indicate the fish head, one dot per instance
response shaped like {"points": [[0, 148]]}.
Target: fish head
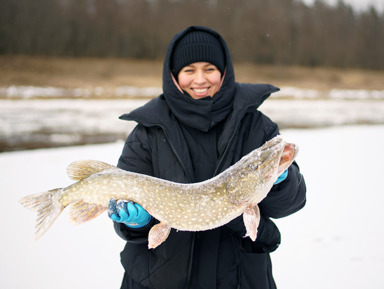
{"points": [[273, 158], [258, 170], [266, 159]]}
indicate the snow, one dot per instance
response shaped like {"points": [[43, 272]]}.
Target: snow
{"points": [[28, 92], [31, 92], [350, 94], [334, 242], [28, 120]]}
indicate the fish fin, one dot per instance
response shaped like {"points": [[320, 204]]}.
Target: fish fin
{"points": [[48, 208], [158, 234], [80, 170], [251, 217], [81, 212]]}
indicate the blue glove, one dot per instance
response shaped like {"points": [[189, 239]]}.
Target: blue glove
{"points": [[282, 177], [129, 213]]}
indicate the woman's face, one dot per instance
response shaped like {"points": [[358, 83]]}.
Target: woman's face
{"points": [[200, 79]]}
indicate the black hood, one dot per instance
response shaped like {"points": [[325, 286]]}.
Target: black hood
{"points": [[203, 113]]}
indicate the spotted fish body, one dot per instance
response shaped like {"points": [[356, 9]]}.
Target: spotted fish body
{"points": [[186, 207]]}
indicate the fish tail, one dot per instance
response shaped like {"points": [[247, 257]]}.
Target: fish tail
{"points": [[48, 208]]}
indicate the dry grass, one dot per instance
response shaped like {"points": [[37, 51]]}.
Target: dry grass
{"points": [[313, 78], [90, 72]]}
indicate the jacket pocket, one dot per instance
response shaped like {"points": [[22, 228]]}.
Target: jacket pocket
{"points": [[135, 260], [256, 271], [163, 267]]}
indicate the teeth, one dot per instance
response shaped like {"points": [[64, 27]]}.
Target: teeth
{"points": [[197, 90]]}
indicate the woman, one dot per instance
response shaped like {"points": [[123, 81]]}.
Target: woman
{"points": [[203, 123]]}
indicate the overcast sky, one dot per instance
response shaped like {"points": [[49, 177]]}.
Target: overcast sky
{"points": [[358, 4]]}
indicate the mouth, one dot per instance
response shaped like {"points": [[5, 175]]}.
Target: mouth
{"points": [[200, 91]]}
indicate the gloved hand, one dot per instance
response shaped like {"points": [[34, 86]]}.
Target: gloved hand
{"points": [[282, 177], [129, 213]]}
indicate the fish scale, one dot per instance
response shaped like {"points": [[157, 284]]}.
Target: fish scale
{"points": [[187, 207]]}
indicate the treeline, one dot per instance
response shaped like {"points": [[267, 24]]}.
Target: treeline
{"points": [[285, 32]]}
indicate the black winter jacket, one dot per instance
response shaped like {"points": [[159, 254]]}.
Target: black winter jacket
{"points": [[176, 139]]}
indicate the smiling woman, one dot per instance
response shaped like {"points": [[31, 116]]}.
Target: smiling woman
{"points": [[202, 124], [200, 79]]}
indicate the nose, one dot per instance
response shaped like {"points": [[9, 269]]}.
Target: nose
{"points": [[200, 77]]}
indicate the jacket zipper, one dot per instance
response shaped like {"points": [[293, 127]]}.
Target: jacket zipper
{"points": [[229, 142], [188, 283], [189, 273]]}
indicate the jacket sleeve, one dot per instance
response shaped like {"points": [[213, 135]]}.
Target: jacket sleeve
{"points": [[135, 157], [139, 235], [287, 197]]}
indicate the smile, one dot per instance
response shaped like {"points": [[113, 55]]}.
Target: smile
{"points": [[200, 90]]}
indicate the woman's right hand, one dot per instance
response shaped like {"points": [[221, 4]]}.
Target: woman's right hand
{"points": [[129, 213]]}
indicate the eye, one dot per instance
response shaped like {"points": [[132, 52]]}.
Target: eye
{"points": [[211, 68], [188, 70]]}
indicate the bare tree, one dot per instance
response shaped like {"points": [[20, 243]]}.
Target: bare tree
{"points": [[284, 32]]}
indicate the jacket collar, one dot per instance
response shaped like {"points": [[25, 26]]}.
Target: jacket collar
{"points": [[156, 113]]}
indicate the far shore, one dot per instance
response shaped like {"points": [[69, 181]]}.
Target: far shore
{"points": [[111, 72]]}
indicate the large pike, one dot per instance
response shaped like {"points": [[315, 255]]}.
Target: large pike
{"points": [[186, 207]]}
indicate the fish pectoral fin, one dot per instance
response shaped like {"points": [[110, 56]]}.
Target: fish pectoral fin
{"points": [[251, 217], [80, 211], [80, 170], [158, 234]]}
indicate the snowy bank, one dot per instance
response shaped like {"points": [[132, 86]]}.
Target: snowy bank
{"points": [[29, 122], [32, 92], [333, 243]]}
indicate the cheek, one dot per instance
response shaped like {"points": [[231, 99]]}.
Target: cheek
{"points": [[183, 81], [215, 81]]}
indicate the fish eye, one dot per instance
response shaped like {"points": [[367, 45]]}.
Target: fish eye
{"points": [[253, 167]]}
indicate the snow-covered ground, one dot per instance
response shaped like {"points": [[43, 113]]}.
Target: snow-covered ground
{"points": [[31, 92], [333, 243], [35, 117]]}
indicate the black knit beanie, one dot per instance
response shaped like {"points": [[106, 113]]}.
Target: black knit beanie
{"points": [[197, 46]]}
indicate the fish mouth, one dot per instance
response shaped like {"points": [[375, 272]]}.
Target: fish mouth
{"points": [[278, 154], [287, 152], [287, 157]]}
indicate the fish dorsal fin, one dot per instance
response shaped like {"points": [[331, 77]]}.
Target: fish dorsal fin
{"points": [[80, 170]]}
